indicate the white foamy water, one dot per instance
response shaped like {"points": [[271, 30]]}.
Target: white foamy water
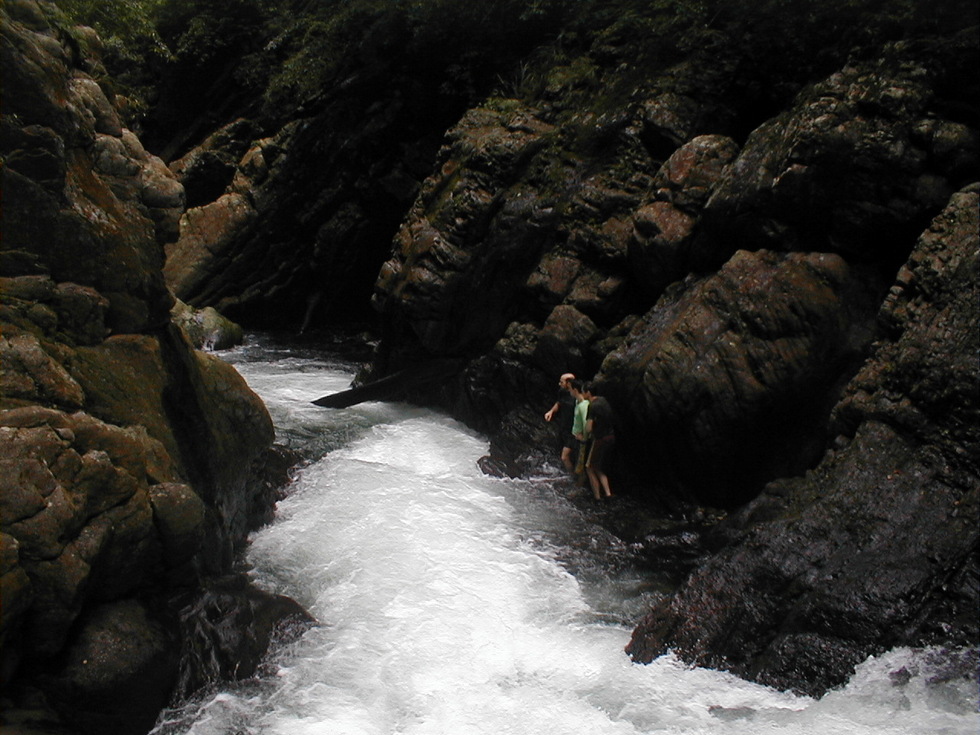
{"points": [[447, 607]]}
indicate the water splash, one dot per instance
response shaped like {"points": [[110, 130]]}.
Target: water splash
{"points": [[452, 603]]}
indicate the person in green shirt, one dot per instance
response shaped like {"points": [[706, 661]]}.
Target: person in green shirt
{"points": [[579, 425]]}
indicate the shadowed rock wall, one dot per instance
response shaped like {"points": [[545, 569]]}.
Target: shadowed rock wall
{"points": [[878, 546], [724, 273], [745, 308]]}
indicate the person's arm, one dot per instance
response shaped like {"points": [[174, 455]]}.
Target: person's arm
{"points": [[550, 413]]}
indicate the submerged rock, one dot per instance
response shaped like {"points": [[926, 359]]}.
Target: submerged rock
{"points": [[227, 628]]}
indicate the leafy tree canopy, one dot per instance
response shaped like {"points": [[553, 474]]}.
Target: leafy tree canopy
{"points": [[291, 53]]}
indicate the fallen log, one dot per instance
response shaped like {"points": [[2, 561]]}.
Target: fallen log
{"points": [[391, 387]]}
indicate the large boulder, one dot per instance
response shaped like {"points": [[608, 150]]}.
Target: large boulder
{"points": [[876, 547], [728, 381]]}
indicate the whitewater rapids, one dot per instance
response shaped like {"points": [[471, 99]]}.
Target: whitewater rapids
{"points": [[453, 603]]}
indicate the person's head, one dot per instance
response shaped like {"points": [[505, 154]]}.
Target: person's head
{"points": [[588, 390], [576, 386], [565, 380]]}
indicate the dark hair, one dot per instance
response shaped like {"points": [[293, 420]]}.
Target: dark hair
{"points": [[589, 387], [578, 385]]}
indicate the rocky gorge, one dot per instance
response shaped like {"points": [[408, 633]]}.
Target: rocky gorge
{"points": [[776, 292]]}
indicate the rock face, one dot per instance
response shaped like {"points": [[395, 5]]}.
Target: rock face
{"points": [[722, 296], [876, 547], [740, 308], [779, 305], [288, 230], [126, 457], [727, 379]]}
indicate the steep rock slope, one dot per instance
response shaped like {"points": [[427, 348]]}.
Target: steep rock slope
{"points": [[127, 457], [878, 546], [724, 298]]}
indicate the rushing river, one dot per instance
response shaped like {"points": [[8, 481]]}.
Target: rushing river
{"points": [[452, 603]]}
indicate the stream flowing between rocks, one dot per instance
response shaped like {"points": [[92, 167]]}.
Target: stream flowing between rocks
{"points": [[453, 603]]}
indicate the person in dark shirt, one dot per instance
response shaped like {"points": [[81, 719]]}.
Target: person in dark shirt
{"points": [[600, 428], [564, 408]]}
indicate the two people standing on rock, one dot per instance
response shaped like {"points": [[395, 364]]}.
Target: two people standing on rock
{"points": [[590, 431]]}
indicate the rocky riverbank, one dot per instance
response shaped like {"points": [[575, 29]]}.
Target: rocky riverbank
{"points": [[810, 335], [772, 279], [131, 464]]}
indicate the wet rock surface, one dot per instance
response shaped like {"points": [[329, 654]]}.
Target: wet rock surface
{"points": [[779, 304], [126, 457], [876, 547], [740, 306], [227, 627]]}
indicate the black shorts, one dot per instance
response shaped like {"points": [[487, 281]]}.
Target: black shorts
{"points": [[568, 441], [599, 454]]}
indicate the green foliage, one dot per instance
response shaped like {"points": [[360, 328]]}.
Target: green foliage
{"points": [[131, 45], [126, 27], [465, 44], [291, 54]]}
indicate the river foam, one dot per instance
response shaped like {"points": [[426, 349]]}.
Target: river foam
{"points": [[447, 605]]}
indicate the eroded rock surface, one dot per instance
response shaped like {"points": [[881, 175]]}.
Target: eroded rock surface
{"points": [[876, 547], [126, 457]]}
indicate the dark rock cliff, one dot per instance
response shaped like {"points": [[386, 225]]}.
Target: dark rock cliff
{"points": [[775, 288], [128, 460], [878, 545], [775, 300], [745, 308]]}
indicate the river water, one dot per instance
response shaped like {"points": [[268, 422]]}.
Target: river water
{"points": [[452, 603]]}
